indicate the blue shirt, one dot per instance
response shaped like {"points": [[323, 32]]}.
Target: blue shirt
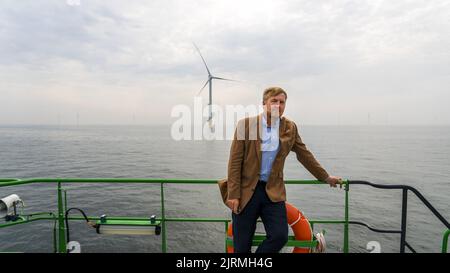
{"points": [[270, 145]]}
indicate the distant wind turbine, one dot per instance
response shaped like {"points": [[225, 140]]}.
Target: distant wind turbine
{"points": [[209, 81]]}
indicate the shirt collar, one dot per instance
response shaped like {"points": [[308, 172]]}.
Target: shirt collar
{"points": [[275, 123]]}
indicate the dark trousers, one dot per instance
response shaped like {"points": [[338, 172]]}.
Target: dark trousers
{"points": [[273, 216]]}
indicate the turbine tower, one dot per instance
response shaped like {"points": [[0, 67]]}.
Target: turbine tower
{"points": [[209, 81]]}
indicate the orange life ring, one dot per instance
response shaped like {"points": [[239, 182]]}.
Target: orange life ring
{"points": [[298, 223], [300, 226]]}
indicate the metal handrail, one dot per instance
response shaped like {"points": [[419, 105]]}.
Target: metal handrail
{"points": [[405, 189], [62, 205]]}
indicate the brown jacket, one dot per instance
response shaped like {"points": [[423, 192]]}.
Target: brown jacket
{"points": [[245, 161]]}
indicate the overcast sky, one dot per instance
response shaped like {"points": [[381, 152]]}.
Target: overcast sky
{"points": [[131, 62]]}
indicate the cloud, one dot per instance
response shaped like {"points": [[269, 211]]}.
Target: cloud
{"points": [[101, 56]]}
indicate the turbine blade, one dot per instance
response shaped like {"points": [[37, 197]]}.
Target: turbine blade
{"points": [[203, 87], [198, 50], [224, 79]]}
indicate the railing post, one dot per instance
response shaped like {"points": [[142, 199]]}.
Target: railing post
{"points": [[226, 236], [65, 200], [445, 241], [404, 214], [346, 239], [163, 221], [61, 224]]}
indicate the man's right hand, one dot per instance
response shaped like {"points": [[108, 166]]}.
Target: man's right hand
{"points": [[233, 204]]}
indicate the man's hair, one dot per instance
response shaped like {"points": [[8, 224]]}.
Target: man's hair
{"points": [[273, 91]]}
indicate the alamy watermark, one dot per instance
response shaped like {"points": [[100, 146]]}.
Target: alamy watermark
{"points": [[214, 122], [373, 247], [75, 247]]}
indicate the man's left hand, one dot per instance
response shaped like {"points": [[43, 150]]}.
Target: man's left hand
{"points": [[333, 181]]}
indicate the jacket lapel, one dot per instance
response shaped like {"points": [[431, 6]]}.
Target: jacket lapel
{"points": [[281, 135], [258, 138], [282, 127]]}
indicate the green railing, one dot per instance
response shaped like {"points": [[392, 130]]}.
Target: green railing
{"points": [[445, 241], [59, 229]]}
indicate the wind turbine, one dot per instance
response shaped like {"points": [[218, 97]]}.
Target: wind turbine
{"points": [[209, 81]]}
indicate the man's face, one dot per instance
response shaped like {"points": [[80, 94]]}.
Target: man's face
{"points": [[275, 105]]}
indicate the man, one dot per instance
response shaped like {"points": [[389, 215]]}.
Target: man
{"points": [[255, 186]]}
